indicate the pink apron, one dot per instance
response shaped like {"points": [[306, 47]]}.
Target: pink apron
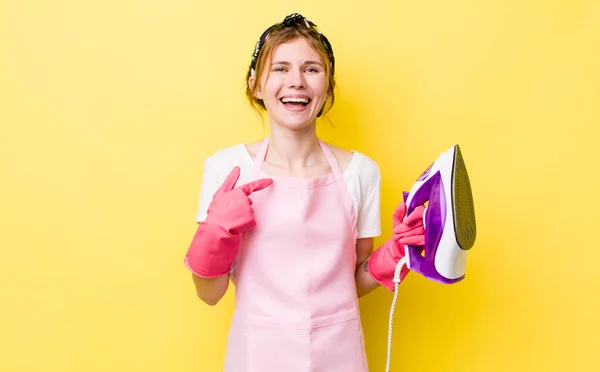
{"points": [[296, 304]]}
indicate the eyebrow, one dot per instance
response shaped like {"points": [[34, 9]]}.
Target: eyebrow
{"points": [[288, 63]]}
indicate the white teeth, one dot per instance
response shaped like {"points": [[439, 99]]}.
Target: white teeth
{"points": [[294, 99]]}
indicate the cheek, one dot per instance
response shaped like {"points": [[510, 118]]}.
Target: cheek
{"points": [[271, 88], [320, 88], [272, 80]]}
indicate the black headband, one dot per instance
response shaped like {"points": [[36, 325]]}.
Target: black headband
{"points": [[292, 20]]}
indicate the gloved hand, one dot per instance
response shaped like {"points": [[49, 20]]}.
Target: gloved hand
{"points": [[409, 231], [217, 239]]}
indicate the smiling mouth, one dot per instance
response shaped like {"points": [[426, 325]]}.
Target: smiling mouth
{"points": [[295, 102]]}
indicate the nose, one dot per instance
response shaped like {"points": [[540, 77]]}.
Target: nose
{"points": [[296, 79]]}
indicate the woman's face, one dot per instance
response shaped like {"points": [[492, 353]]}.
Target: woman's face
{"points": [[296, 87]]}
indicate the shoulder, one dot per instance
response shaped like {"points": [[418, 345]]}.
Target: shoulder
{"points": [[364, 173], [361, 172], [220, 162], [228, 157], [364, 180], [344, 157], [252, 148], [366, 168], [347, 158], [357, 165]]}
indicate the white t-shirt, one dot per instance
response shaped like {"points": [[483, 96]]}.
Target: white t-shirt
{"points": [[362, 177]]}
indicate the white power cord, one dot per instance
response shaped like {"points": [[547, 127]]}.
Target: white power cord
{"points": [[399, 266], [396, 281]]}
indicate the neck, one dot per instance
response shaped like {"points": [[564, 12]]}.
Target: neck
{"points": [[294, 149]]}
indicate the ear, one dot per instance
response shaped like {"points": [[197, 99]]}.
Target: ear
{"points": [[257, 92], [330, 90]]}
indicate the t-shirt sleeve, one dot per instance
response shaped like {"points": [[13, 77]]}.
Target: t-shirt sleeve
{"points": [[369, 211], [210, 185]]}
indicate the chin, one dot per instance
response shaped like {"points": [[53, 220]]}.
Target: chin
{"points": [[296, 123]]}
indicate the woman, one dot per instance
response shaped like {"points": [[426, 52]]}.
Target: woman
{"points": [[296, 235]]}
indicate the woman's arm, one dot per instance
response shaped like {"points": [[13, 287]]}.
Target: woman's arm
{"points": [[217, 239], [211, 290], [364, 281]]}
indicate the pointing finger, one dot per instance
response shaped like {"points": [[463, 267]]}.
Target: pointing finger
{"points": [[230, 181], [257, 185]]}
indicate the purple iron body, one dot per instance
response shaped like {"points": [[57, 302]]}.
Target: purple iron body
{"points": [[449, 219]]}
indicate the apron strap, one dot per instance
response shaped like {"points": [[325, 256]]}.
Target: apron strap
{"points": [[260, 159], [341, 185], [332, 162]]}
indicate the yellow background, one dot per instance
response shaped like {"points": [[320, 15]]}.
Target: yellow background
{"points": [[108, 109]]}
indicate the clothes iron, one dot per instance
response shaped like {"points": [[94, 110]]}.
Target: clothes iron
{"points": [[449, 221]]}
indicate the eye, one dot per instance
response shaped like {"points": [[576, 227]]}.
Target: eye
{"points": [[312, 69], [279, 69]]}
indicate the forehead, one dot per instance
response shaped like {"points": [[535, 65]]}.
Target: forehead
{"points": [[298, 49]]}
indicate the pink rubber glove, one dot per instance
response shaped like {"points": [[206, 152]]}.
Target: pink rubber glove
{"points": [[217, 239], [409, 231]]}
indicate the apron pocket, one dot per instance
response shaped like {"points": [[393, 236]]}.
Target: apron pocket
{"points": [[331, 343], [337, 344]]}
